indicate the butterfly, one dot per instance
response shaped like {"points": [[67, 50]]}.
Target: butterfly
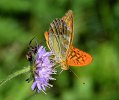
{"points": [[59, 40]]}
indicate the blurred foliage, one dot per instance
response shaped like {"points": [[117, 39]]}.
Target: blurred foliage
{"points": [[95, 31]]}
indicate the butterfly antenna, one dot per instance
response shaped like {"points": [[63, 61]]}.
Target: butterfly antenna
{"points": [[37, 45], [32, 39], [74, 73]]}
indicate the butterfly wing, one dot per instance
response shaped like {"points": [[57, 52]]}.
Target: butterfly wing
{"points": [[68, 18], [47, 39], [59, 36], [77, 57]]}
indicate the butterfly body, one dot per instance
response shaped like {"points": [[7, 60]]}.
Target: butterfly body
{"points": [[59, 40]]}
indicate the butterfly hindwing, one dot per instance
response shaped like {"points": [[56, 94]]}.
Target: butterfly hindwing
{"points": [[59, 38]]}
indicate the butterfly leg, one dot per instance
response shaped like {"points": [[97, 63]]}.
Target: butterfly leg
{"points": [[57, 67]]}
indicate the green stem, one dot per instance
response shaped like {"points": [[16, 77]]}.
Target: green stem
{"points": [[15, 74]]}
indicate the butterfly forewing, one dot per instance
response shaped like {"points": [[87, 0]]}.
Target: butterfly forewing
{"points": [[77, 57], [68, 18]]}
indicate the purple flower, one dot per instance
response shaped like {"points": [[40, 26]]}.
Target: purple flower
{"points": [[44, 70]]}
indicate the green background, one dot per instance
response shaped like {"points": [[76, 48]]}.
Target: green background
{"points": [[96, 30]]}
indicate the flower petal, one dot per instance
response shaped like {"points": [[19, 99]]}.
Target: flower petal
{"points": [[33, 86], [43, 70]]}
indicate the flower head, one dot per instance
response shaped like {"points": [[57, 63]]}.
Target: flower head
{"points": [[43, 70]]}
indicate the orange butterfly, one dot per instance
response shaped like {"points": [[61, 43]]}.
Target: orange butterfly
{"points": [[59, 40]]}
